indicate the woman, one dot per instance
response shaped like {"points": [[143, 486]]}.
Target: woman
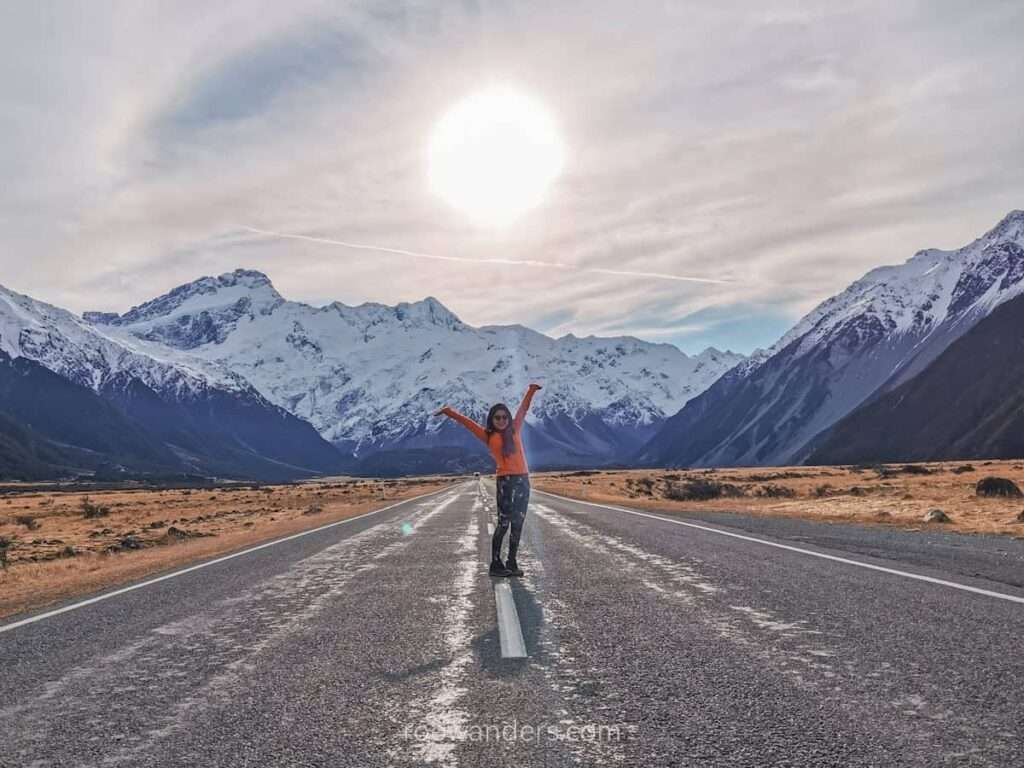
{"points": [[501, 436]]}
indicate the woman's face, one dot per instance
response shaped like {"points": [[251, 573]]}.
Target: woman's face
{"points": [[501, 419]]}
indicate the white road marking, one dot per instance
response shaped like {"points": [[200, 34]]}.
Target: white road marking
{"points": [[509, 631], [812, 553], [140, 585]]}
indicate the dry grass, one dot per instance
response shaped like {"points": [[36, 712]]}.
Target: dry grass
{"points": [[63, 553], [895, 494]]}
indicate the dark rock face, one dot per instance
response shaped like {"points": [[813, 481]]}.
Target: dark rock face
{"points": [[1002, 263]]}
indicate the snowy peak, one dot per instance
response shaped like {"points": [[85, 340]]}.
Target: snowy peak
{"points": [[417, 314], [205, 310], [1010, 228], [428, 311], [203, 294], [931, 289], [86, 355]]}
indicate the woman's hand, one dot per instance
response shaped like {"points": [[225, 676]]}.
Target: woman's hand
{"points": [[440, 411], [536, 386]]}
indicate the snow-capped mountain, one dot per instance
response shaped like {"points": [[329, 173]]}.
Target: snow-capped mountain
{"points": [[934, 291], [369, 376], [78, 351], [968, 404], [878, 333], [208, 417]]}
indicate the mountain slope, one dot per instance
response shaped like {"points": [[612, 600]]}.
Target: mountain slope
{"points": [[50, 426], [969, 403], [205, 417], [878, 333], [368, 377]]}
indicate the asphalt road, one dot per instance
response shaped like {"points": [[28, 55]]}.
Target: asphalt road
{"points": [[650, 643]]}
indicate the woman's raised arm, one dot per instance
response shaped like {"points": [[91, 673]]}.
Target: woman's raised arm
{"points": [[525, 406], [468, 423]]}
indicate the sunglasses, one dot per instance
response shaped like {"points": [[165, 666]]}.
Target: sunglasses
{"points": [[501, 417]]}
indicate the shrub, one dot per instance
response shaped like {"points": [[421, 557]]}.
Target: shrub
{"points": [[916, 469], [823, 490], [963, 468], [770, 491], [314, 509], [5, 544], [701, 490], [90, 510], [28, 521], [644, 485], [868, 466], [997, 486]]}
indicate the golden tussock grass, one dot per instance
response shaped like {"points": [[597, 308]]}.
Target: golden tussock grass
{"points": [[56, 552], [893, 495]]}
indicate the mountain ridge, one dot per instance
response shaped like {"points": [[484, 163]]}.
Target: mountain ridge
{"points": [[881, 331], [367, 377]]}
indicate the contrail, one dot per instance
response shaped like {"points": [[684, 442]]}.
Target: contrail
{"points": [[467, 260]]}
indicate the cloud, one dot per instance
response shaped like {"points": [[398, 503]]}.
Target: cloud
{"points": [[789, 151]]}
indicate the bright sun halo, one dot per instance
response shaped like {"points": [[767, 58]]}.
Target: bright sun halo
{"points": [[494, 155]]}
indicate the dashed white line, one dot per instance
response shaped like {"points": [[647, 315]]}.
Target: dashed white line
{"points": [[509, 630], [812, 553]]}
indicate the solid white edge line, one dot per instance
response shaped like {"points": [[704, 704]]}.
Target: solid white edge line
{"points": [[836, 558], [510, 633], [140, 585]]}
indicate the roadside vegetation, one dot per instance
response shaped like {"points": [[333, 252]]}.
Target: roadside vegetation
{"points": [[982, 497], [55, 545]]}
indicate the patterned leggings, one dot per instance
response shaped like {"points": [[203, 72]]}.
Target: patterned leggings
{"points": [[513, 496]]}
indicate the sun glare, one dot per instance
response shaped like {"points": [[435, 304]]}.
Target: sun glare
{"points": [[493, 155]]}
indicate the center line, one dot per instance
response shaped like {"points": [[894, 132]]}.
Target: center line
{"points": [[509, 630]]}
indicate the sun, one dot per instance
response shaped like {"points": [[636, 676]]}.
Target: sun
{"points": [[494, 155]]}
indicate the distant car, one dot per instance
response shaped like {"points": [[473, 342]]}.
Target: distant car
{"points": [[476, 474]]}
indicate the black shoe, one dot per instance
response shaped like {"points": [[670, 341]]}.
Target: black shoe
{"points": [[498, 568], [513, 568]]}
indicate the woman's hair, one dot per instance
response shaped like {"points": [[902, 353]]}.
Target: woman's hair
{"points": [[508, 445]]}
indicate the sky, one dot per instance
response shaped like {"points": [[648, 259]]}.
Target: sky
{"points": [[783, 148]]}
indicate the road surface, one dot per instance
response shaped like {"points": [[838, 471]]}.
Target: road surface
{"points": [[648, 643]]}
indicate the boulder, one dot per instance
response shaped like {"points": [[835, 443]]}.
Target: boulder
{"points": [[936, 516]]}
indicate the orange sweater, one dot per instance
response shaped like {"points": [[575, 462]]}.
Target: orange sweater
{"points": [[515, 464]]}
